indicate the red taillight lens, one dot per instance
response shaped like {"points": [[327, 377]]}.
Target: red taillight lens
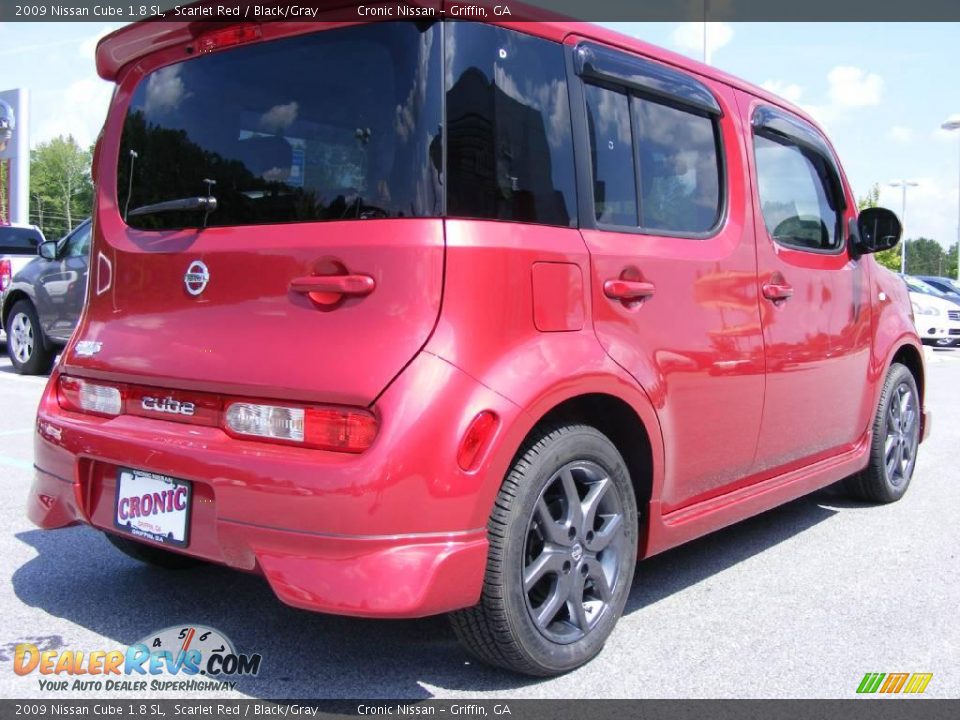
{"points": [[6, 272], [350, 430], [228, 37], [87, 397], [476, 440]]}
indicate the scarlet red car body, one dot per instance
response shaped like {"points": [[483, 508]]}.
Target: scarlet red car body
{"points": [[724, 401]]}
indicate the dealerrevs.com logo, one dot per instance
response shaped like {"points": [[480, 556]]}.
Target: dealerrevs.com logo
{"points": [[197, 657]]}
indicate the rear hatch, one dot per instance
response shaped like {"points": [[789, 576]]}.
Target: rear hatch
{"points": [[318, 274]]}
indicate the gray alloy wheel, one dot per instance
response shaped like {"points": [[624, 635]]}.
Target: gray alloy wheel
{"points": [[562, 549], [571, 560], [896, 440]]}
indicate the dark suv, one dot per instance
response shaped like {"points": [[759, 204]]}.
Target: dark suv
{"points": [[41, 306]]}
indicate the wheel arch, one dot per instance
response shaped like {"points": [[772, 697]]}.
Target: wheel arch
{"points": [[908, 355], [14, 296]]}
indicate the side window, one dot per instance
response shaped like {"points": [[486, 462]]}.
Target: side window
{"points": [[509, 139], [679, 168], [79, 243], [611, 156], [796, 199]]}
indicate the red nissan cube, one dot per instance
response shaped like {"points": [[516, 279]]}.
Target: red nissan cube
{"points": [[459, 317]]}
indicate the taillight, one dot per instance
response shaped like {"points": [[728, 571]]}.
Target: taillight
{"points": [[476, 440], [84, 396], [228, 37], [350, 430], [6, 272]]}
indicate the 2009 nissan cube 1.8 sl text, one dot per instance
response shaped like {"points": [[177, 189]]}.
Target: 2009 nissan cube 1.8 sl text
{"points": [[415, 318]]}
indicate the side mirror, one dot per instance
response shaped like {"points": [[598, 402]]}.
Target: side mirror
{"points": [[48, 250], [879, 229]]}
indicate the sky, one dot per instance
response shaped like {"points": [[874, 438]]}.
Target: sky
{"points": [[881, 90]]}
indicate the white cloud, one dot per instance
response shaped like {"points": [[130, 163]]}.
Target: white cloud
{"points": [[280, 117], [165, 90], [788, 91], [688, 38], [931, 208], [900, 134], [80, 112], [88, 46], [848, 88], [852, 87]]}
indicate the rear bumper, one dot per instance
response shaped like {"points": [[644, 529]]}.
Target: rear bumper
{"points": [[398, 531]]}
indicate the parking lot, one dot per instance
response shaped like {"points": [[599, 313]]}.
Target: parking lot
{"points": [[798, 602]]}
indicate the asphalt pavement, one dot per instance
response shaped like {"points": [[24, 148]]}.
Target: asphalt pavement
{"points": [[798, 602]]}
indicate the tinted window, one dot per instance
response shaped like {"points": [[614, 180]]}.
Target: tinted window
{"points": [[509, 150], [679, 169], [611, 155], [795, 197], [19, 241], [79, 243], [336, 125]]}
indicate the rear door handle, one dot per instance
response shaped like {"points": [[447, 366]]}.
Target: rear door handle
{"points": [[618, 289], [777, 291], [357, 285]]}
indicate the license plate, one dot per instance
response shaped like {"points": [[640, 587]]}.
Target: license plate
{"points": [[154, 507]]}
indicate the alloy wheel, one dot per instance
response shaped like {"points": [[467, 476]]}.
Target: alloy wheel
{"points": [[575, 541], [22, 337], [900, 447]]}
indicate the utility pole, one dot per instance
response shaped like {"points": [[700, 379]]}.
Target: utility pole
{"points": [[904, 184], [954, 124]]}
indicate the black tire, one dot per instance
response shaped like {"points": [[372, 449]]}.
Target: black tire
{"points": [[152, 555], [887, 476], [501, 630], [26, 345]]}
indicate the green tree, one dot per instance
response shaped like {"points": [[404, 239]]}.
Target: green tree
{"points": [[926, 257], [60, 186]]}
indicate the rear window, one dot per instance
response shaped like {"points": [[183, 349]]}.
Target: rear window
{"points": [[337, 125], [19, 241]]}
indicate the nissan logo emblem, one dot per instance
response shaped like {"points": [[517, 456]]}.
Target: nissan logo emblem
{"points": [[196, 278]]}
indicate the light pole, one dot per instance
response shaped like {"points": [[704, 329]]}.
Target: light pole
{"points": [[903, 220], [954, 124]]}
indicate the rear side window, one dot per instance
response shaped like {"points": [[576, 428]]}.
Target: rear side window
{"points": [[337, 125], [19, 241], [509, 144], [611, 156], [798, 207], [672, 152], [679, 169]]}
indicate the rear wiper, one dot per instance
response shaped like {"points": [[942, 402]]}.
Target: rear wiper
{"points": [[206, 204]]}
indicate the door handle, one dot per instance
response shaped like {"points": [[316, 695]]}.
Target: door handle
{"points": [[618, 289], [329, 290], [777, 290], [359, 285]]}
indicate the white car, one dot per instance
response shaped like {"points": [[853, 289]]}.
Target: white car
{"points": [[937, 319]]}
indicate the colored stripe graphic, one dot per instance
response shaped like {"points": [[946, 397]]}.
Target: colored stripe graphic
{"points": [[918, 682], [870, 682], [894, 683]]}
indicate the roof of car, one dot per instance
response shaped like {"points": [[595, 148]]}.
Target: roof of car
{"points": [[125, 45]]}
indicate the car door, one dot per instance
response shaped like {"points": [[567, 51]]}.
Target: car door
{"points": [[61, 285], [815, 305], [664, 215]]}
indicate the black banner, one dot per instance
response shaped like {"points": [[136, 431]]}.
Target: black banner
{"points": [[585, 10], [856, 709]]}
